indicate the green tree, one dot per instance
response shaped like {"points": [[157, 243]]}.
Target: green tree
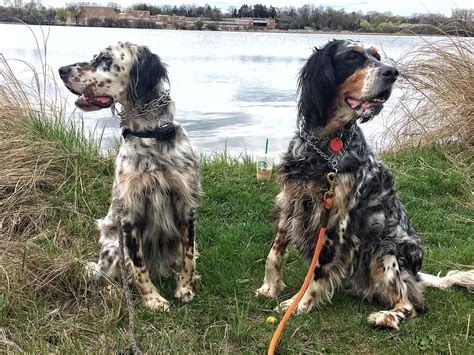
{"points": [[199, 25], [365, 25], [62, 14]]}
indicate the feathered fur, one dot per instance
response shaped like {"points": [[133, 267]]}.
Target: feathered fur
{"points": [[157, 182], [371, 248]]}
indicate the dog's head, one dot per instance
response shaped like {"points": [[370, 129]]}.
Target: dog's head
{"points": [[342, 80], [124, 73]]}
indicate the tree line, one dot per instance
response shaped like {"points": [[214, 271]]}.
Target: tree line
{"points": [[306, 17]]}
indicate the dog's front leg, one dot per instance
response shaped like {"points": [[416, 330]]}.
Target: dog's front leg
{"points": [[272, 282], [187, 275], [107, 265], [133, 234], [318, 291], [331, 270]]}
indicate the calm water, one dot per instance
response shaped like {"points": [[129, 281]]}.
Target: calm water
{"points": [[231, 89]]}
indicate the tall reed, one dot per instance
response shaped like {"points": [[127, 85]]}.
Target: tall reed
{"points": [[437, 103]]}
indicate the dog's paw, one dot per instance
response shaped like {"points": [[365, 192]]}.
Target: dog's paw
{"points": [[93, 271], [184, 293], [270, 291], [384, 320], [302, 308], [156, 302]]}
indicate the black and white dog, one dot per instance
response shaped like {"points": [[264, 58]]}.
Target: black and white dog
{"points": [[371, 247], [157, 177]]}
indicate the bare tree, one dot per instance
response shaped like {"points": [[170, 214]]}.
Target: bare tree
{"points": [[465, 18]]}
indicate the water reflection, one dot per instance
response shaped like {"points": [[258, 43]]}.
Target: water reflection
{"points": [[231, 89]]}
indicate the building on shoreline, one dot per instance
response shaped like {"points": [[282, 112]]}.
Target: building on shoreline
{"points": [[82, 14]]}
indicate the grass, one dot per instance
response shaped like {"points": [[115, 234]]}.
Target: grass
{"points": [[54, 183], [48, 304]]}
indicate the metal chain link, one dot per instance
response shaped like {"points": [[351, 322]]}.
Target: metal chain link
{"points": [[312, 141], [151, 106]]}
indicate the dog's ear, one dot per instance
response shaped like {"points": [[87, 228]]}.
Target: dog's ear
{"points": [[317, 87], [146, 75]]}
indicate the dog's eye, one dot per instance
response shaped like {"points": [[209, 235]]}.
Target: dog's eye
{"points": [[354, 56], [102, 58], [377, 56]]}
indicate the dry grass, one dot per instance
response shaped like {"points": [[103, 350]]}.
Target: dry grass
{"points": [[45, 159], [437, 104], [438, 94]]}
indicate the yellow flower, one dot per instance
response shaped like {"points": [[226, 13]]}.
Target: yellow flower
{"points": [[271, 320]]}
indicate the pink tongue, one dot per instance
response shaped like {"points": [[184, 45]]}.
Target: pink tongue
{"points": [[102, 99], [366, 105], [353, 103]]}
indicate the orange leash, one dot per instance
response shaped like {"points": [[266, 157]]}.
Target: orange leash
{"points": [[328, 201]]}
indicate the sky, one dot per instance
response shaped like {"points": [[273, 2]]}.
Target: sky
{"points": [[397, 7]]}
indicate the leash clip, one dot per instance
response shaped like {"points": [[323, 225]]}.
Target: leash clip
{"points": [[329, 194]]}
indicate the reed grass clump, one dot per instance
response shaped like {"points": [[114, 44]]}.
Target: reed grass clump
{"points": [[49, 167], [437, 104]]}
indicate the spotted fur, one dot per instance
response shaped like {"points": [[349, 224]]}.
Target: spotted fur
{"points": [[371, 248], [157, 183]]}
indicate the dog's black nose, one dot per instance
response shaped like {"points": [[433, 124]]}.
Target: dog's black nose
{"points": [[389, 73], [64, 71]]}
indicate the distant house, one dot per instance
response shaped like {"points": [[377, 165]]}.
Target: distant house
{"points": [[134, 15], [246, 23], [268, 23], [82, 13]]}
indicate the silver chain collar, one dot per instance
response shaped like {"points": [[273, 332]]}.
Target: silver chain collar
{"points": [[312, 141], [142, 110]]}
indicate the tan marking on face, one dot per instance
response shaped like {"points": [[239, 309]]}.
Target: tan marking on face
{"points": [[359, 49], [373, 51], [353, 85]]}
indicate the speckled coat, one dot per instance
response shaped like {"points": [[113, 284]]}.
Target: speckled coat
{"points": [[157, 181], [371, 248]]}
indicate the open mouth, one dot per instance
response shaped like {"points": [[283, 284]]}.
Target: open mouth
{"points": [[377, 101], [94, 103]]}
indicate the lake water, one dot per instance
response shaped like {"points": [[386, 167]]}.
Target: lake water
{"points": [[232, 89]]}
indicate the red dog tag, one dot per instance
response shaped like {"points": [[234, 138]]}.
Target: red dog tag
{"points": [[336, 144]]}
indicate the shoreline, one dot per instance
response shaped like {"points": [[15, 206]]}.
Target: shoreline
{"points": [[396, 34]]}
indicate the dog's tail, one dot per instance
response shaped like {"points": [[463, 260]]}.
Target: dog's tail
{"points": [[454, 277]]}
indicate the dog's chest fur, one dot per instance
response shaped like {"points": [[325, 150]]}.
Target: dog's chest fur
{"points": [[159, 180], [366, 215]]}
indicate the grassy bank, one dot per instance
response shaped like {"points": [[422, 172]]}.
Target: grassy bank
{"points": [[54, 184]]}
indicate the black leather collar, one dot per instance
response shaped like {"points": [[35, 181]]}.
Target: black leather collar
{"points": [[163, 133]]}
